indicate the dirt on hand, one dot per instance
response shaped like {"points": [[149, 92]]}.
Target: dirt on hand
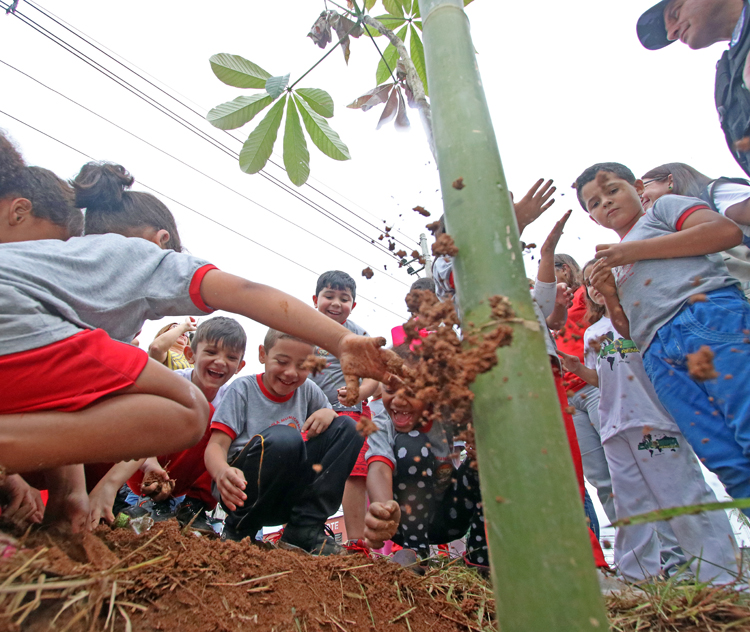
{"points": [[153, 485], [701, 364]]}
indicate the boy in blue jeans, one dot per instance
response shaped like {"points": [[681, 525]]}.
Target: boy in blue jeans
{"points": [[668, 291]]}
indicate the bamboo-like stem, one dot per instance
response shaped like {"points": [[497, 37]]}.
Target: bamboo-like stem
{"points": [[412, 78], [542, 566]]}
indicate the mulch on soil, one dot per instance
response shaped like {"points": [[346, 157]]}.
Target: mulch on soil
{"points": [[167, 580]]}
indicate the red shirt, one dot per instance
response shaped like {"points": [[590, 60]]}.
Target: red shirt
{"points": [[569, 339]]}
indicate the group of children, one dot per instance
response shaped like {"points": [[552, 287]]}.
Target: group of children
{"points": [[94, 419]]}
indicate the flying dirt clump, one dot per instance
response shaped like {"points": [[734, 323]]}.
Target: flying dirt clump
{"points": [[446, 367], [314, 364], [367, 273], [444, 245], [701, 365], [422, 211]]}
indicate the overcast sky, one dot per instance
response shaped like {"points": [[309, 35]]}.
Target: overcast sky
{"points": [[568, 84]]}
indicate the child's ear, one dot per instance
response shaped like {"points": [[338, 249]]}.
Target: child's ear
{"points": [[638, 184], [18, 210], [189, 354], [262, 354], [240, 367], [315, 301], [354, 304]]}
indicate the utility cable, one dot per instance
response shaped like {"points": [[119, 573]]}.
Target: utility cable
{"points": [[196, 212]]}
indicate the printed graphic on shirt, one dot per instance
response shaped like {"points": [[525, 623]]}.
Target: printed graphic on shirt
{"points": [[611, 347], [659, 444]]}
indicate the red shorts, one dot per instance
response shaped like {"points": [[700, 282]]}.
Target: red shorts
{"points": [[360, 467], [70, 374]]}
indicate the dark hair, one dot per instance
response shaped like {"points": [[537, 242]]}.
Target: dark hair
{"points": [[577, 278], [621, 171], [685, 180], [594, 312], [221, 331], [423, 284], [100, 188], [51, 197], [336, 280], [274, 335]]}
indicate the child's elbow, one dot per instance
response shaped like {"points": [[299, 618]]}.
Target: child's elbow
{"points": [[195, 421], [734, 236]]}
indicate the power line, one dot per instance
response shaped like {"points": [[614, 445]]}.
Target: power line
{"points": [[182, 162], [203, 215], [190, 126], [98, 46]]}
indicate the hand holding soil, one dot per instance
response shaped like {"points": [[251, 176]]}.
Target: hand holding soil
{"points": [[20, 503], [381, 523], [157, 485], [365, 357]]}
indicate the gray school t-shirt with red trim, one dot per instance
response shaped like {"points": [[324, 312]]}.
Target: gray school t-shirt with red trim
{"points": [[248, 408], [52, 289], [654, 290], [331, 379]]}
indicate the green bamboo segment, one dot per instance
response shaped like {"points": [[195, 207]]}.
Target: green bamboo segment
{"points": [[542, 567]]}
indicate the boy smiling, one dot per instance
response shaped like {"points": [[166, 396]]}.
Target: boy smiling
{"points": [[668, 291], [278, 453]]}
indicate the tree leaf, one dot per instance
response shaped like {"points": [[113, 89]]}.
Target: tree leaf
{"points": [[258, 147], [390, 55], [390, 109], [418, 24], [318, 100], [236, 113], [275, 85], [321, 133], [371, 98], [394, 7], [390, 22], [415, 9], [238, 72], [320, 33], [402, 120], [416, 50], [467, 2], [369, 4], [296, 156]]}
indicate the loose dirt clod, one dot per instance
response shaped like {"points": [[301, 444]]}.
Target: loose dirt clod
{"points": [[444, 245], [153, 485], [367, 273], [743, 144], [701, 364], [458, 183], [401, 253], [433, 227], [697, 298], [422, 211], [314, 364]]}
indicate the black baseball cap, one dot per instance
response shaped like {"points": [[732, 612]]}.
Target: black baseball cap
{"points": [[652, 31]]}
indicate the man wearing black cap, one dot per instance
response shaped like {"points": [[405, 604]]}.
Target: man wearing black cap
{"points": [[699, 24]]}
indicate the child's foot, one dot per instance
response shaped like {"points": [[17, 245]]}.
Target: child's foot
{"points": [[192, 513], [311, 539], [160, 511]]}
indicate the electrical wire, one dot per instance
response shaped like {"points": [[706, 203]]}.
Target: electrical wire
{"points": [[190, 126], [196, 212]]}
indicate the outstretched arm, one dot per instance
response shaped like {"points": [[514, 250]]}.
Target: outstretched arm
{"points": [[702, 233], [383, 514], [159, 348], [534, 203]]}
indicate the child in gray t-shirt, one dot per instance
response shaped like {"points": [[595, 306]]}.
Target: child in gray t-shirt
{"points": [[278, 452], [668, 291], [64, 305]]}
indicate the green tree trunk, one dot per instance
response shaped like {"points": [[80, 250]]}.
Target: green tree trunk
{"points": [[542, 566]]}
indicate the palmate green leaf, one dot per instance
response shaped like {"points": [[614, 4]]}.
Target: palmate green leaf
{"points": [[391, 22], [258, 147], [321, 133], [467, 2], [275, 85], [318, 100], [668, 514], [236, 113], [296, 156], [369, 4], [416, 50], [238, 72], [394, 7], [390, 54]]}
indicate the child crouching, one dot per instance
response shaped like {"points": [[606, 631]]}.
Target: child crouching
{"points": [[278, 453]]}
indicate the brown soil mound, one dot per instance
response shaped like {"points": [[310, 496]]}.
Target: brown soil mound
{"points": [[164, 580]]}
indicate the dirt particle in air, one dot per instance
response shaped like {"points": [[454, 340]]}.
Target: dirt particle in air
{"points": [[458, 183], [367, 273], [401, 253], [422, 211], [697, 298], [701, 364], [743, 144], [314, 364]]}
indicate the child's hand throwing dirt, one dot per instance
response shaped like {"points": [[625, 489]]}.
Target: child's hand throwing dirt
{"points": [[364, 357], [381, 523]]}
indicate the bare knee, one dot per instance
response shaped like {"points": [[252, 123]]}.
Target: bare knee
{"points": [[197, 412]]}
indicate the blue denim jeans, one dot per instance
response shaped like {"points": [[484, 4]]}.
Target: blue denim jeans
{"points": [[714, 416]]}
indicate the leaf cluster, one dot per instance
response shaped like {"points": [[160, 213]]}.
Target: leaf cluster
{"points": [[312, 105]]}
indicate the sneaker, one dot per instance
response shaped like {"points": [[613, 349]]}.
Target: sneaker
{"points": [[193, 512], [236, 535], [310, 539], [160, 511]]}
